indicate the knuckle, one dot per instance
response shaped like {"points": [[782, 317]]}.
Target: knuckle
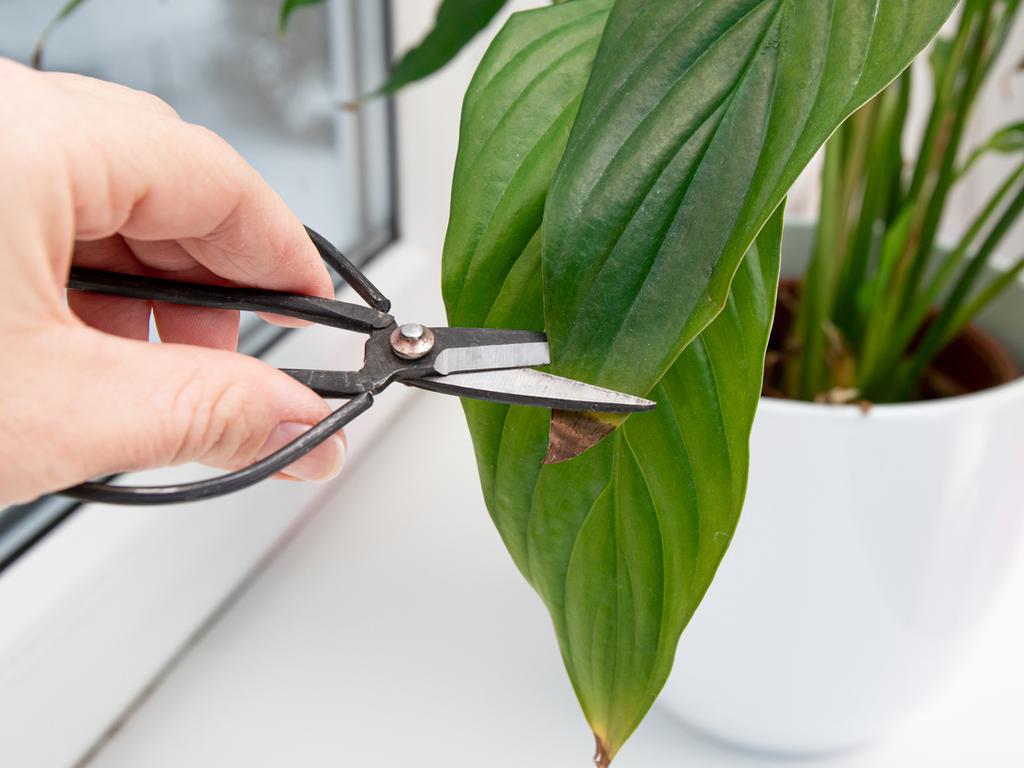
{"points": [[216, 142], [156, 104], [218, 424]]}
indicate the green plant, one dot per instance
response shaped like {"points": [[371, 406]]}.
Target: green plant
{"points": [[457, 22], [879, 299], [618, 184], [65, 10]]}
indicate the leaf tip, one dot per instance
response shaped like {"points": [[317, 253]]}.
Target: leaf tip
{"points": [[572, 433], [602, 755]]}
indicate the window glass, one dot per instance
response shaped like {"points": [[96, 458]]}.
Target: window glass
{"points": [[277, 100]]}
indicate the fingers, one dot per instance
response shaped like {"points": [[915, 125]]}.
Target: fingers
{"points": [[107, 90], [88, 161], [137, 169], [201, 326], [130, 317], [179, 324], [137, 405], [110, 314]]}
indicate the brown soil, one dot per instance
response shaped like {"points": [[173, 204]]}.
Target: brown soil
{"points": [[972, 362]]}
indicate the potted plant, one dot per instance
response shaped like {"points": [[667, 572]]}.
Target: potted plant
{"points": [[618, 185], [885, 491]]}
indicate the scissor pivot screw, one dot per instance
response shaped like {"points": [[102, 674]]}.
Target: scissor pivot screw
{"points": [[411, 341]]}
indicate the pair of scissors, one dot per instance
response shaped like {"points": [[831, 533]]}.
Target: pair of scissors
{"points": [[481, 363]]}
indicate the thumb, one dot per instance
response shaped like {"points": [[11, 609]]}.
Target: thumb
{"points": [[137, 405]]}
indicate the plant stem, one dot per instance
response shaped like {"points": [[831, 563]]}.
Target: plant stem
{"points": [[944, 328], [815, 303], [917, 313], [933, 206], [882, 188], [987, 295]]}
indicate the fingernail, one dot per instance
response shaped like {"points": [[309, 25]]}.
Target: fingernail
{"points": [[322, 463]]}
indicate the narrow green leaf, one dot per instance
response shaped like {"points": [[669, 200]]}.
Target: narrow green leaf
{"points": [[947, 60], [942, 330], [939, 56], [882, 198], [893, 341], [1007, 140], [65, 10], [288, 7], [655, 146], [458, 22], [953, 107], [882, 314], [986, 296], [816, 298]]}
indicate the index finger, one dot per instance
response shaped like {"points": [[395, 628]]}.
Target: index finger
{"points": [[140, 171]]}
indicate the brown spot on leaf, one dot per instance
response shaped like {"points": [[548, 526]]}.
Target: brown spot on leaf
{"points": [[571, 433]]}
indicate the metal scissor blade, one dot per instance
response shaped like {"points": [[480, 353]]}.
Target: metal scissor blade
{"points": [[525, 386], [491, 357], [484, 349]]}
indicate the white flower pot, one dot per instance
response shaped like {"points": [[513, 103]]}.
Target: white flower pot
{"points": [[868, 547]]}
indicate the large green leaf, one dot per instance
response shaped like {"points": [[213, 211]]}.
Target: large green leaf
{"points": [[633, 506], [697, 118], [623, 541]]}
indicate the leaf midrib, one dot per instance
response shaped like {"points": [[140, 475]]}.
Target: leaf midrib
{"points": [[696, 166], [684, 73]]}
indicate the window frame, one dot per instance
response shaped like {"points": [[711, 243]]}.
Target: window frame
{"points": [[23, 526], [102, 599]]}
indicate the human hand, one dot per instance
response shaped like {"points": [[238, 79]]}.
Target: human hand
{"points": [[102, 176]]}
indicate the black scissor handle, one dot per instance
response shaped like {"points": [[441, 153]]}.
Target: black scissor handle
{"points": [[338, 314], [314, 309], [349, 272], [221, 485]]}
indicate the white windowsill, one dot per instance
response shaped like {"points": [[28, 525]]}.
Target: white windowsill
{"points": [[92, 613], [394, 630]]}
